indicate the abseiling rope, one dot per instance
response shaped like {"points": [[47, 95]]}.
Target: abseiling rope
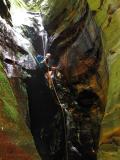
{"points": [[63, 113]]}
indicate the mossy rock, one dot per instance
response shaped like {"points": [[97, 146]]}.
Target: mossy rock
{"points": [[107, 16]]}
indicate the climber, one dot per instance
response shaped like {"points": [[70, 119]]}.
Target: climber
{"points": [[44, 64], [43, 61], [42, 106]]}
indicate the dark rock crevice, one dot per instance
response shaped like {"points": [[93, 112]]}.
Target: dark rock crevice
{"points": [[77, 52], [4, 10], [45, 118]]}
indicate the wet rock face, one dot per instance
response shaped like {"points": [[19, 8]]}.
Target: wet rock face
{"points": [[30, 28], [80, 81], [107, 16], [14, 51], [5, 6], [14, 61], [76, 47], [75, 44]]}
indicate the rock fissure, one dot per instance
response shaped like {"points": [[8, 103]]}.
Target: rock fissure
{"points": [[31, 117]]}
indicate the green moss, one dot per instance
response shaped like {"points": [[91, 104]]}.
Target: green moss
{"points": [[18, 3], [114, 83], [94, 5], [10, 112], [35, 6], [52, 9], [109, 155], [110, 27], [7, 96]]}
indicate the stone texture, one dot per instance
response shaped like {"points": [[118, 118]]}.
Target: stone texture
{"points": [[75, 45], [107, 16], [16, 141], [15, 137]]}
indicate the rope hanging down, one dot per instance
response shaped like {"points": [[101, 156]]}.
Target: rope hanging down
{"points": [[46, 57], [63, 113]]}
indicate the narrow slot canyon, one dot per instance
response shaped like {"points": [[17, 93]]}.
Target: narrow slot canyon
{"points": [[59, 80]]}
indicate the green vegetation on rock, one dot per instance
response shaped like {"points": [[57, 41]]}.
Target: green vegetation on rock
{"points": [[107, 16], [18, 3]]}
